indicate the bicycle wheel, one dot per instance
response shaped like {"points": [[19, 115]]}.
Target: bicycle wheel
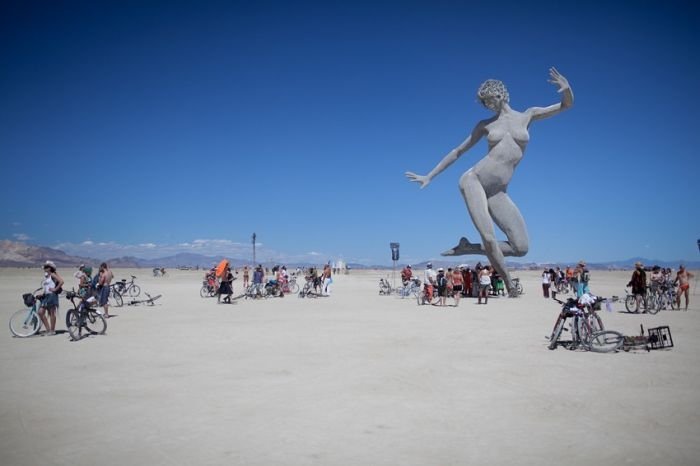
{"points": [[631, 303], [24, 323], [583, 332], [95, 323], [606, 341], [115, 299], [655, 304], [519, 288], [556, 333], [134, 291], [73, 324], [294, 288], [204, 291]]}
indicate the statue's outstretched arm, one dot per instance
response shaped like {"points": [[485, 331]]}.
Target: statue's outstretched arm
{"points": [[450, 158], [567, 98]]}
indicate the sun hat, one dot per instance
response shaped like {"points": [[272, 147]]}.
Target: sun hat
{"points": [[441, 269], [637, 264], [429, 265], [50, 264]]}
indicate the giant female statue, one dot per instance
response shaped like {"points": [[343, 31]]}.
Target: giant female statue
{"points": [[484, 186]]}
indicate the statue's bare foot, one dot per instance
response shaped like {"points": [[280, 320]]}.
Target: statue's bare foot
{"points": [[463, 248]]}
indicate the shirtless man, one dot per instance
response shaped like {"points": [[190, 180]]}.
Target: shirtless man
{"points": [[106, 277], [683, 279]]}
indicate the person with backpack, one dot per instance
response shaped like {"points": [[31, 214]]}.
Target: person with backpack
{"points": [[441, 280]]}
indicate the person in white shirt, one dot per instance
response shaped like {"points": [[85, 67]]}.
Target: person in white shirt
{"points": [[429, 280], [546, 282]]}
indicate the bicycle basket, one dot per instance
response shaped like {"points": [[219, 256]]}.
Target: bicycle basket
{"points": [[28, 299], [660, 337]]}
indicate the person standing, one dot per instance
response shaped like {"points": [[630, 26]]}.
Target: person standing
{"points": [[638, 284], [226, 287], [546, 283], [457, 285], [52, 286], [683, 279], [429, 280], [246, 277], [467, 275], [441, 280], [484, 284], [105, 279], [326, 280]]}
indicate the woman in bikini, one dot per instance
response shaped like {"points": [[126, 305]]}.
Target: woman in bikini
{"points": [[484, 185]]}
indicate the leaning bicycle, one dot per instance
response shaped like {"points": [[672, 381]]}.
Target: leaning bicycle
{"points": [[26, 322], [127, 288], [585, 326]]}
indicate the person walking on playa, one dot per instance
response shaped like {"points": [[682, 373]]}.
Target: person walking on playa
{"points": [[484, 284], [226, 287], [105, 279], [638, 282], [441, 281], [683, 279], [52, 284]]}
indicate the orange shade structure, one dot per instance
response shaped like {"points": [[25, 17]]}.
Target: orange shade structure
{"points": [[221, 268]]}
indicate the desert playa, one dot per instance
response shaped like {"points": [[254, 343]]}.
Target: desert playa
{"points": [[353, 379]]}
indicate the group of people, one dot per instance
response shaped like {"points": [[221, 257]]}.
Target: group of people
{"points": [[52, 286], [459, 282], [222, 283], [660, 280], [577, 278]]}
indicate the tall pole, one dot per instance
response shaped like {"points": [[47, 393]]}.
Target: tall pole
{"points": [[254, 261]]}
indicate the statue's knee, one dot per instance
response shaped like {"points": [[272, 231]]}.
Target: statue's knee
{"points": [[520, 250]]}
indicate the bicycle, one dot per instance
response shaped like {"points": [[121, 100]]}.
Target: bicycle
{"points": [[586, 327], [563, 286], [424, 298], [26, 322], [208, 290], [84, 316], [310, 289], [412, 288], [130, 288], [291, 286], [115, 297], [647, 303], [150, 300], [384, 287], [517, 285]]}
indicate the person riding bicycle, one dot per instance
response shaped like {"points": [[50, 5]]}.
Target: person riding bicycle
{"points": [[406, 275]]}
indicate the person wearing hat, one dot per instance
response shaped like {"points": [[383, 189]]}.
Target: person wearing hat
{"points": [[429, 280], [638, 284], [441, 281], [52, 286]]}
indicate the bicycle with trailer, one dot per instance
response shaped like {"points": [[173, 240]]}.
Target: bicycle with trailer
{"points": [[585, 326]]}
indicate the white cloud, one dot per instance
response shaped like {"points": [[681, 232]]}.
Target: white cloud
{"points": [[21, 237]]}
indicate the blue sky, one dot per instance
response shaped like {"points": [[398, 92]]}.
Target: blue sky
{"points": [[148, 128]]}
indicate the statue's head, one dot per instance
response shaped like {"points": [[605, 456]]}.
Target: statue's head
{"points": [[493, 94]]}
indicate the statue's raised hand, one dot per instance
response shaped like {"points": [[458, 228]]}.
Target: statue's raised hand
{"points": [[557, 79], [423, 180]]}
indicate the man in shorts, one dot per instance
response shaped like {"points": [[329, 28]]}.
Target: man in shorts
{"points": [[106, 277], [683, 279]]}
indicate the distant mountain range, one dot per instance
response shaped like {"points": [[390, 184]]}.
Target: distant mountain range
{"points": [[16, 254]]}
